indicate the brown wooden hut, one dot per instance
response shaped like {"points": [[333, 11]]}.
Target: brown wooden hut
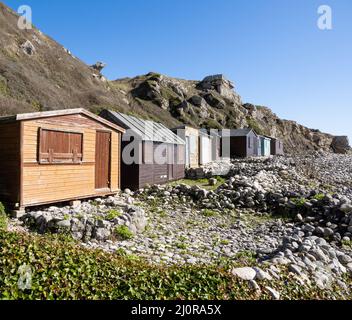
{"points": [[151, 153], [57, 156], [239, 143]]}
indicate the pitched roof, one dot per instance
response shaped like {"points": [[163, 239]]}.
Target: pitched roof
{"points": [[237, 132], [145, 130], [56, 113]]}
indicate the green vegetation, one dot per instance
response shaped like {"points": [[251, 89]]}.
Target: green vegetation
{"points": [[3, 217], [37, 106], [299, 202], [347, 244], [181, 245], [4, 90], [319, 196], [113, 214], [62, 270], [123, 233], [211, 124], [209, 213], [255, 126], [247, 258], [202, 183]]}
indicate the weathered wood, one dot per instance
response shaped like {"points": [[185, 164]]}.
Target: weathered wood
{"points": [[10, 162], [26, 182], [102, 160]]}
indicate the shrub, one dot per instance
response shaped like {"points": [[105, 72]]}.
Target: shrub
{"points": [[299, 202], [112, 214], [123, 233], [319, 196], [3, 217], [255, 126], [209, 213]]}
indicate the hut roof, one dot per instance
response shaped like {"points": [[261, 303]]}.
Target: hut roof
{"points": [[237, 132], [56, 113], [144, 129]]}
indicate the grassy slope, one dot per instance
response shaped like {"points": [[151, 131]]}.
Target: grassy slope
{"points": [[63, 270]]}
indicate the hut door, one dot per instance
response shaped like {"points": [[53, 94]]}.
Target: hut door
{"points": [[102, 160]]}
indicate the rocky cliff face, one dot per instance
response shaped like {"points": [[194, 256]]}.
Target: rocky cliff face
{"points": [[37, 74], [213, 103]]}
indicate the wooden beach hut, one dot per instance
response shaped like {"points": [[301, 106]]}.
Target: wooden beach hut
{"points": [[191, 137], [265, 146], [150, 153], [277, 147], [205, 147], [57, 156], [239, 143]]}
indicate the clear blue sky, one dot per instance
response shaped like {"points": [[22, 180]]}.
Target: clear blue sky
{"points": [[272, 49]]}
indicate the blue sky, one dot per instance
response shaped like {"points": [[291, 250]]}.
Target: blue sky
{"points": [[272, 49]]}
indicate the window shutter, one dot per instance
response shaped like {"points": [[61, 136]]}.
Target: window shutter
{"points": [[57, 147]]}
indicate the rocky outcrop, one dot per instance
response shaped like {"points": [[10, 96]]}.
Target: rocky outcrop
{"points": [[340, 144], [95, 220], [99, 66]]}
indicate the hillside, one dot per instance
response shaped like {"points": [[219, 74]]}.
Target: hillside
{"points": [[37, 73]]}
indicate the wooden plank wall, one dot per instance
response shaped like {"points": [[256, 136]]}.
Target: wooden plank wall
{"points": [[10, 162], [50, 183]]}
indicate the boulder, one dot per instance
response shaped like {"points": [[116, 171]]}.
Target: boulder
{"points": [[245, 273], [340, 144]]}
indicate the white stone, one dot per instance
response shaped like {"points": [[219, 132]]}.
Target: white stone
{"points": [[245, 273]]}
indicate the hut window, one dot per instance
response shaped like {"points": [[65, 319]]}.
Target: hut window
{"points": [[60, 147], [249, 142]]}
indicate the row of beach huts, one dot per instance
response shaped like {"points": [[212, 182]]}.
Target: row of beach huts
{"points": [[68, 155]]}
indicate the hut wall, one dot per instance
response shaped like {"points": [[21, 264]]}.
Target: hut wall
{"points": [[10, 162], [43, 183], [205, 149]]}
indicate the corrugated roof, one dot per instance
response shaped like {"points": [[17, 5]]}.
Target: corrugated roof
{"points": [[146, 130]]}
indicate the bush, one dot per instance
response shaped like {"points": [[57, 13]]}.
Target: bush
{"points": [[3, 217], [112, 214], [123, 233]]}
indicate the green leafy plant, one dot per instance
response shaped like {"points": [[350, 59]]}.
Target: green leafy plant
{"points": [[113, 214], [3, 217], [319, 196], [63, 270], [299, 202], [181, 245], [123, 233]]}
